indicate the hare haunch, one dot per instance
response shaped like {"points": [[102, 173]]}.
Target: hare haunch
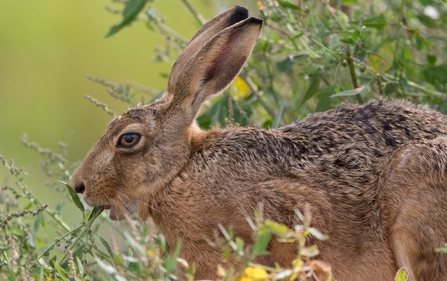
{"points": [[375, 175]]}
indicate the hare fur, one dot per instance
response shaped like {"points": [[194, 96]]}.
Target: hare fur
{"points": [[374, 175]]}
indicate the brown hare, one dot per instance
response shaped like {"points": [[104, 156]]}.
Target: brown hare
{"points": [[375, 175]]}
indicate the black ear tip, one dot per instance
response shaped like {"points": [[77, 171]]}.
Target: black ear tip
{"points": [[240, 9], [239, 14], [256, 20]]}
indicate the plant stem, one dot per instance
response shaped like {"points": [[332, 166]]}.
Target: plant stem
{"points": [[49, 248], [83, 231], [165, 29], [352, 72], [193, 11], [399, 27], [379, 84]]}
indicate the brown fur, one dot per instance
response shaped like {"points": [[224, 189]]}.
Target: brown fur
{"points": [[375, 175]]}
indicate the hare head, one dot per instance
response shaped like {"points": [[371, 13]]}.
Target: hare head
{"points": [[144, 148]]}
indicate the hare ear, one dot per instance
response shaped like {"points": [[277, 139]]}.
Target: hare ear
{"points": [[211, 70], [208, 30]]}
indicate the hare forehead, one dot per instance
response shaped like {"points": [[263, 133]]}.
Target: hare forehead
{"points": [[143, 116]]}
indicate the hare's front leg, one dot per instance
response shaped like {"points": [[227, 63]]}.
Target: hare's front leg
{"points": [[414, 208]]}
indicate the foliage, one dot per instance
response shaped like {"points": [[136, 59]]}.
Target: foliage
{"points": [[311, 56]]}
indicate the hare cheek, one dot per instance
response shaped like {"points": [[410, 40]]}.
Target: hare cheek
{"points": [[104, 159]]}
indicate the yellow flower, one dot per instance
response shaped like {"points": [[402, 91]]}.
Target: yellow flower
{"points": [[254, 274], [240, 89]]}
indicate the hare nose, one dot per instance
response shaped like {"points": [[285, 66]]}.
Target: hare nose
{"points": [[80, 188]]}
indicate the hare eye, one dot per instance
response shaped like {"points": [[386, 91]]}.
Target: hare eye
{"points": [[128, 140]]}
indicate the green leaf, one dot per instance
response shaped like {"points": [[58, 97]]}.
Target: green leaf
{"points": [[267, 124], [36, 271], [311, 251], [313, 88], [62, 272], [110, 270], [277, 228], [151, 13], [421, 42], [381, 59], [5, 249], [95, 213], [428, 21], [106, 245], [132, 9], [133, 264], [240, 244], [284, 65], [133, 243], [348, 40], [377, 22], [288, 4], [117, 259], [431, 59], [38, 221], [401, 275], [12, 275], [81, 269], [324, 102], [278, 115], [107, 268], [334, 42], [352, 92], [276, 17], [32, 239], [349, 2], [441, 250], [53, 259], [260, 246], [60, 206], [46, 271], [317, 234], [171, 262], [436, 74], [75, 198]]}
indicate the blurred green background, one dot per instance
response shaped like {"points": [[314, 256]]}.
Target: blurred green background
{"points": [[46, 49]]}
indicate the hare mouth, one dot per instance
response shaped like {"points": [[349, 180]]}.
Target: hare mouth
{"points": [[120, 212]]}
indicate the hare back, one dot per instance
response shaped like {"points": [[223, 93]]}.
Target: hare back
{"points": [[348, 146], [341, 152]]}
